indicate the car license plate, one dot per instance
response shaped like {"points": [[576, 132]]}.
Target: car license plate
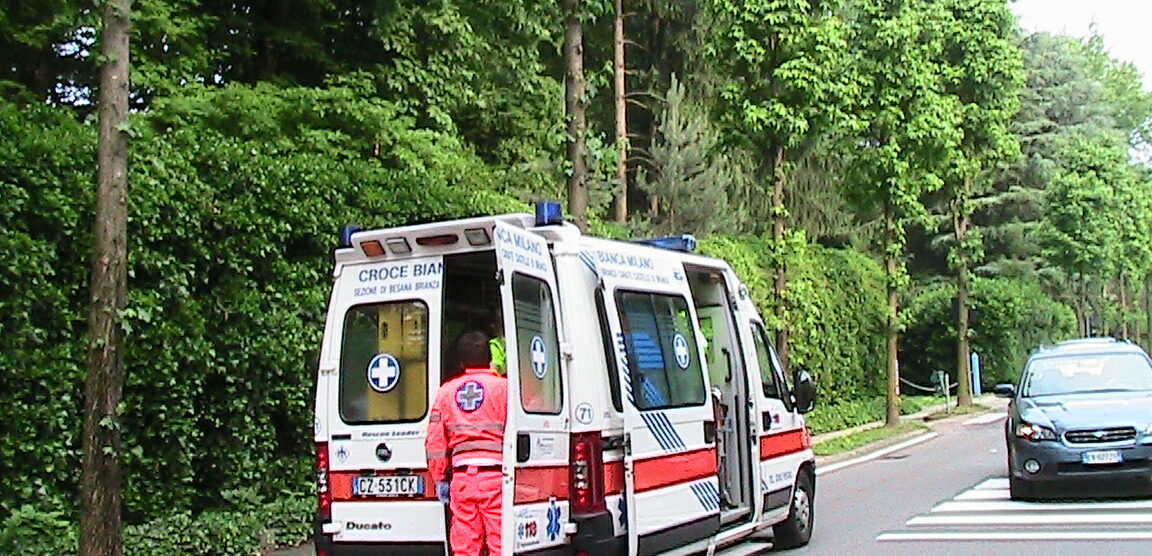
{"points": [[1101, 458], [396, 485]]}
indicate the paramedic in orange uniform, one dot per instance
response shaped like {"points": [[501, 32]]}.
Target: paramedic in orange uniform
{"points": [[466, 436]]}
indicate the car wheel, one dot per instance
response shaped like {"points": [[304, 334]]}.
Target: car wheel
{"points": [[796, 530]]}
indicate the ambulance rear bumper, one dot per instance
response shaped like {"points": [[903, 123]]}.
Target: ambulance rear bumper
{"points": [[595, 534]]}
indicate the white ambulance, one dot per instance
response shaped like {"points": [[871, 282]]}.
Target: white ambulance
{"points": [[648, 411]]}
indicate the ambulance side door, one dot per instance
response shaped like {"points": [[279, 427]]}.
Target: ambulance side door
{"points": [[782, 436], [536, 437], [671, 491]]}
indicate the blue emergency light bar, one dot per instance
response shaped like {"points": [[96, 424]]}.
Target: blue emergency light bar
{"points": [[685, 242], [548, 213], [346, 232]]}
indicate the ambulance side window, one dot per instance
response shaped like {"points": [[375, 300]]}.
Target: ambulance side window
{"points": [[538, 348], [662, 353], [769, 364], [609, 353], [384, 363]]}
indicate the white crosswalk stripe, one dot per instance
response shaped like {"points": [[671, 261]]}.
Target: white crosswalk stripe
{"points": [[986, 512]]}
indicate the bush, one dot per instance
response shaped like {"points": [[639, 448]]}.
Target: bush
{"points": [[1009, 318], [835, 308]]}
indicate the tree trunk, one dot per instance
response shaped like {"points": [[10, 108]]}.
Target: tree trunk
{"points": [[100, 499], [621, 119], [1148, 311], [574, 104], [781, 267], [1123, 306], [963, 355], [892, 418]]}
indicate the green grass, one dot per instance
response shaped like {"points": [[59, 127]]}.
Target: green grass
{"points": [[845, 414], [850, 442]]}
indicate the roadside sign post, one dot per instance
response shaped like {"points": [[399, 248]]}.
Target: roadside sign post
{"points": [[975, 373]]}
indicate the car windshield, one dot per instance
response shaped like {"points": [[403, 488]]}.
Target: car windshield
{"points": [[1082, 373]]}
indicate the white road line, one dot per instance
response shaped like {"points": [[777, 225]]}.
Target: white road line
{"points": [[878, 454], [986, 494], [1018, 536], [999, 484], [1030, 519], [1012, 505], [985, 419]]}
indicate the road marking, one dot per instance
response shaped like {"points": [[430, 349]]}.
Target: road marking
{"points": [[878, 454], [1014, 505], [1029, 519], [986, 494], [985, 419], [1018, 536], [998, 484]]}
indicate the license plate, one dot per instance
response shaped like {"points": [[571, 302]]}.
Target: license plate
{"points": [[402, 485], [1101, 458]]}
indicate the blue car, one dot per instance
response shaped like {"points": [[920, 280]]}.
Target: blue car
{"points": [[1080, 423]]}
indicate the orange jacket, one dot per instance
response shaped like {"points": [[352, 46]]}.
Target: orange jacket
{"points": [[467, 420]]}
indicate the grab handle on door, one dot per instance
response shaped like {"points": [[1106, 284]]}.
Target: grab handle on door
{"points": [[523, 447]]}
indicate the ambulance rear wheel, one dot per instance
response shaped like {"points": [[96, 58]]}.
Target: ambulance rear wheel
{"points": [[796, 530]]}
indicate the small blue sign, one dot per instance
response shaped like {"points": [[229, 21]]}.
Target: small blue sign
{"points": [[383, 373], [680, 350], [539, 354], [470, 396]]}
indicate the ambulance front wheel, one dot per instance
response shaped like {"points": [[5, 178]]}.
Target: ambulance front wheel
{"points": [[796, 530]]}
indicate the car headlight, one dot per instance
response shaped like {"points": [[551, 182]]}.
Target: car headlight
{"points": [[1034, 432]]}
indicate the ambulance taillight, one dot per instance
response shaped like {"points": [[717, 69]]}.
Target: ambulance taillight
{"points": [[323, 492], [586, 477]]}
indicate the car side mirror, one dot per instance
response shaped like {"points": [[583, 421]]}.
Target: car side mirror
{"points": [[1005, 390], [804, 392]]}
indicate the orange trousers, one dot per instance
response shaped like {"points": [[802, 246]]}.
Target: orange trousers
{"points": [[475, 504]]}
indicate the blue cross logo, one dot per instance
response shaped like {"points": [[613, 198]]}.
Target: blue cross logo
{"points": [[680, 349], [623, 507], [383, 373], [553, 520], [539, 357], [470, 396]]}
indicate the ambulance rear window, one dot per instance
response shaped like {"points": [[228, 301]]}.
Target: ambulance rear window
{"points": [[662, 353], [384, 363]]}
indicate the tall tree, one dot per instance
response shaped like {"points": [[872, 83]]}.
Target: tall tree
{"points": [[620, 83], [574, 103], [984, 72], [100, 499], [911, 130], [779, 67]]}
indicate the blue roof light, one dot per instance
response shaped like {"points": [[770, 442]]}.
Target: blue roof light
{"points": [[685, 242], [549, 213], [346, 232]]}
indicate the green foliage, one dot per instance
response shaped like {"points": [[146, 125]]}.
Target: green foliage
{"points": [[246, 526], [844, 413], [834, 304], [863, 438], [1010, 317]]}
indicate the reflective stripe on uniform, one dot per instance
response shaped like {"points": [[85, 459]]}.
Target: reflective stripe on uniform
{"points": [[478, 446], [475, 427]]}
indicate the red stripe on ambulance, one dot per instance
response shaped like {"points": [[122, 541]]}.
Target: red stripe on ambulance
{"points": [[782, 444], [663, 471]]}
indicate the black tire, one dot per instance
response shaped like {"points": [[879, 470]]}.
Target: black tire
{"points": [[796, 530]]}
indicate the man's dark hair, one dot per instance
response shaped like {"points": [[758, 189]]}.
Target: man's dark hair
{"points": [[472, 350]]}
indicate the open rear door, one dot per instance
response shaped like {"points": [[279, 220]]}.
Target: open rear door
{"points": [[536, 437], [671, 484]]}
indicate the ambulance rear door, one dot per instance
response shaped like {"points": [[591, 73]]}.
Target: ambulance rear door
{"points": [[536, 438], [672, 496], [383, 318]]}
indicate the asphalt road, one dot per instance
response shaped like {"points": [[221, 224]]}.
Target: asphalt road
{"points": [[949, 496]]}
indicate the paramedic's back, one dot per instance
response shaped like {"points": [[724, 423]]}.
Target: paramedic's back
{"points": [[465, 446]]}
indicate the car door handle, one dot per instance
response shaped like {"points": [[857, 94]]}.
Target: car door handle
{"points": [[523, 447]]}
